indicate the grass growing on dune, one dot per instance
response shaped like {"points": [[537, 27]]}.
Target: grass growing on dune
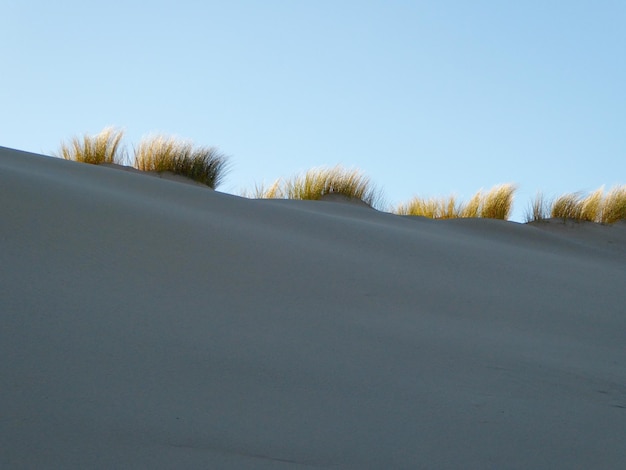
{"points": [[595, 207], [497, 203], [319, 182], [104, 147], [590, 206], [614, 206], [208, 166], [203, 164], [433, 208], [261, 191], [473, 207], [539, 209], [567, 206]]}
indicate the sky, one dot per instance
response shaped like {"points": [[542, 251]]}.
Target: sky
{"points": [[427, 98]]}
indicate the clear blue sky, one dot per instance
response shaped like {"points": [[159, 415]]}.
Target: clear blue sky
{"points": [[428, 98]]}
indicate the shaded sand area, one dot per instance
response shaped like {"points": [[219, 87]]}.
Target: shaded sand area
{"points": [[151, 324]]}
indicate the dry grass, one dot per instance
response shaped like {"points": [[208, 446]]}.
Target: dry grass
{"points": [[208, 166], [473, 207], [595, 207], [497, 203], [160, 153], [539, 209], [590, 206], [433, 208], [567, 206], [318, 182], [104, 147], [613, 206], [261, 191]]}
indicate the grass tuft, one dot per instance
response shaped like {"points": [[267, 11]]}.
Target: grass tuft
{"points": [[433, 208], [203, 164], [567, 206], [613, 207], [473, 207], [539, 209], [318, 182], [595, 207], [495, 204], [591, 205], [104, 147], [498, 202]]}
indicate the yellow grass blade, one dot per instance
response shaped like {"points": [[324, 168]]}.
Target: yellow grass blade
{"points": [[539, 209], [162, 153], [104, 147], [613, 206], [566, 206], [591, 205], [498, 202], [318, 182]]}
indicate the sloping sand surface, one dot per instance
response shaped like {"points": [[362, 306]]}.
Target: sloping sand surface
{"points": [[151, 324]]}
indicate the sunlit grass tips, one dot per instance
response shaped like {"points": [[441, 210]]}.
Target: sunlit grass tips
{"points": [[539, 209], [613, 206], [433, 208], [104, 147], [261, 191], [316, 183], [595, 207], [497, 203], [160, 153]]}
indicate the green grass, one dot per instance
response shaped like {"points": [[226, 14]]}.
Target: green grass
{"points": [[203, 164], [104, 147], [316, 183], [497, 203]]}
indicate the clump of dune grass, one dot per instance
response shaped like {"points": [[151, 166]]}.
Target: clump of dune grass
{"points": [[104, 147], [595, 207], [316, 183], [577, 207], [473, 207], [498, 202], [613, 207], [495, 204], [160, 153], [590, 206], [433, 208], [539, 209], [567, 206]]}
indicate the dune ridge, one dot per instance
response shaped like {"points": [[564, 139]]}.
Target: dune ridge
{"points": [[147, 323]]}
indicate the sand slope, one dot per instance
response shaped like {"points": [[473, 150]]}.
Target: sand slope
{"points": [[152, 324]]}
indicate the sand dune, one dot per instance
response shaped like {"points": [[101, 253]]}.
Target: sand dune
{"points": [[152, 324]]}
